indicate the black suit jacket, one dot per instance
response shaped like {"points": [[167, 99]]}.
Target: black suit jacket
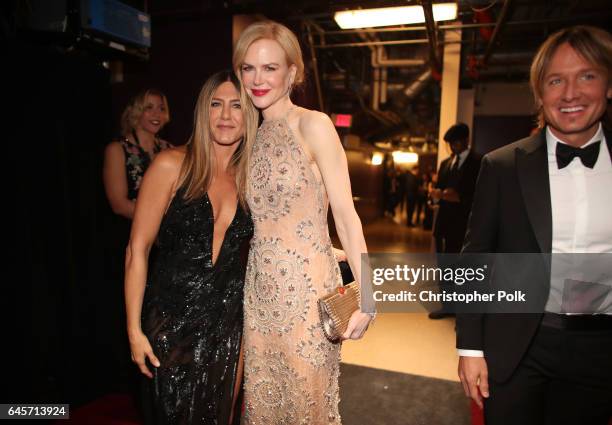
{"points": [[452, 217], [511, 213]]}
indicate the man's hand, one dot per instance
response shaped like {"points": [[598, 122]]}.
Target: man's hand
{"points": [[435, 194], [474, 376], [450, 195]]}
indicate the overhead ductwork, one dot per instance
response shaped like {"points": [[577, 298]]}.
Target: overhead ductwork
{"points": [[380, 60], [412, 90]]}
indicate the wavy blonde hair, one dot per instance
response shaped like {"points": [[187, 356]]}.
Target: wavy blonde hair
{"points": [[593, 44], [198, 166], [269, 30], [135, 108]]}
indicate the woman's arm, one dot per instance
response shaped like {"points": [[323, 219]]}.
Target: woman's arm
{"points": [[155, 193], [323, 144], [115, 181]]}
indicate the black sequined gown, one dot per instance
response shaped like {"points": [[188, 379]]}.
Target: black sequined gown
{"points": [[192, 315]]}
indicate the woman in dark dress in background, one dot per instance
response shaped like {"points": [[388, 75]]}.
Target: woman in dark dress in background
{"points": [[126, 161], [192, 200]]}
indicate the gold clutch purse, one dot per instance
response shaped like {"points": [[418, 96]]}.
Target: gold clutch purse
{"points": [[336, 308]]}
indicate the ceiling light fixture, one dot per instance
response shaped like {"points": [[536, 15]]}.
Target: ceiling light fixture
{"points": [[386, 16]]}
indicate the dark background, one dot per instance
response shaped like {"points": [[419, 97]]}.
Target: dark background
{"points": [[65, 338]]}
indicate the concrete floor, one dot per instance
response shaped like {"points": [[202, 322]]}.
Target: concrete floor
{"points": [[404, 342]]}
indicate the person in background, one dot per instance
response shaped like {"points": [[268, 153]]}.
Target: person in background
{"points": [[390, 187], [421, 197], [431, 178], [408, 183], [126, 161], [454, 192]]}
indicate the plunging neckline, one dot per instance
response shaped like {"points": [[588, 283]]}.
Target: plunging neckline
{"points": [[212, 239]]}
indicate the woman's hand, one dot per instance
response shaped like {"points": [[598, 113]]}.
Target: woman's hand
{"points": [[141, 350], [357, 326], [339, 254]]}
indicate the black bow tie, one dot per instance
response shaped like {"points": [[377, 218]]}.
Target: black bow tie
{"points": [[566, 153]]}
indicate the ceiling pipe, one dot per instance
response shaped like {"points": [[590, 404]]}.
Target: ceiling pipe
{"points": [[375, 71], [501, 20], [432, 35], [375, 88], [418, 84], [380, 63], [506, 58], [315, 67], [383, 85], [373, 43], [379, 59]]}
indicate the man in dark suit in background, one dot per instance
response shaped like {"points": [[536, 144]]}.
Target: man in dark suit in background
{"points": [[454, 192], [548, 193], [409, 185]]}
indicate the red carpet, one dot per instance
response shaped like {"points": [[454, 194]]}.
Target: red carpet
{"points": [[112, 409]]}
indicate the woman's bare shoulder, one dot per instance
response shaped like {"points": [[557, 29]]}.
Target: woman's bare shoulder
{"points": [[310, 117], [170, 159], [314, 124]]}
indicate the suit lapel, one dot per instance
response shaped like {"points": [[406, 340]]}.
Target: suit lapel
{"points": [[532, 171]]}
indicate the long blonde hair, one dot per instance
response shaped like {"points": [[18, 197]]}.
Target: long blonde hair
{"points": [[199, 164], [293, 53]]}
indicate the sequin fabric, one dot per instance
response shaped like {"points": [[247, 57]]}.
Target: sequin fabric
{"points": [[291, 369], [192, 315]]}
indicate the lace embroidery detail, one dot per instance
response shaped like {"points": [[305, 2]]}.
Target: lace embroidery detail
{"points": [[277, 173], [279, 291], [290, 265], [314, 349], [281, 394]]}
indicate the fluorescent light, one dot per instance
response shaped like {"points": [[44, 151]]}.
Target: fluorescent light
{"points": [[401, 157], [386, 16], [377, 158]]}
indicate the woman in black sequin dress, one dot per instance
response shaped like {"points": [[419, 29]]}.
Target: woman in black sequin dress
{"points": [[185, 326]]}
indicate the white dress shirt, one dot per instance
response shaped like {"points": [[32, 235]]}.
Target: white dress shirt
{"points": [[581, 202]]}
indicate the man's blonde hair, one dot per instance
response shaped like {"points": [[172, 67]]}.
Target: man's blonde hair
{"points": [[593, 44]]}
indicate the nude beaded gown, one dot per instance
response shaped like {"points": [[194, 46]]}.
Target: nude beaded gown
{"points": [[291, 369]]}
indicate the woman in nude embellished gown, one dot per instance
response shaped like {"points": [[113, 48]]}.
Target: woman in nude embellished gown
{"points": [[296, 164]]}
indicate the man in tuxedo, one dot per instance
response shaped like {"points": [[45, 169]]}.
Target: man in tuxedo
{"points": [[548, 193], [454, 192]]}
